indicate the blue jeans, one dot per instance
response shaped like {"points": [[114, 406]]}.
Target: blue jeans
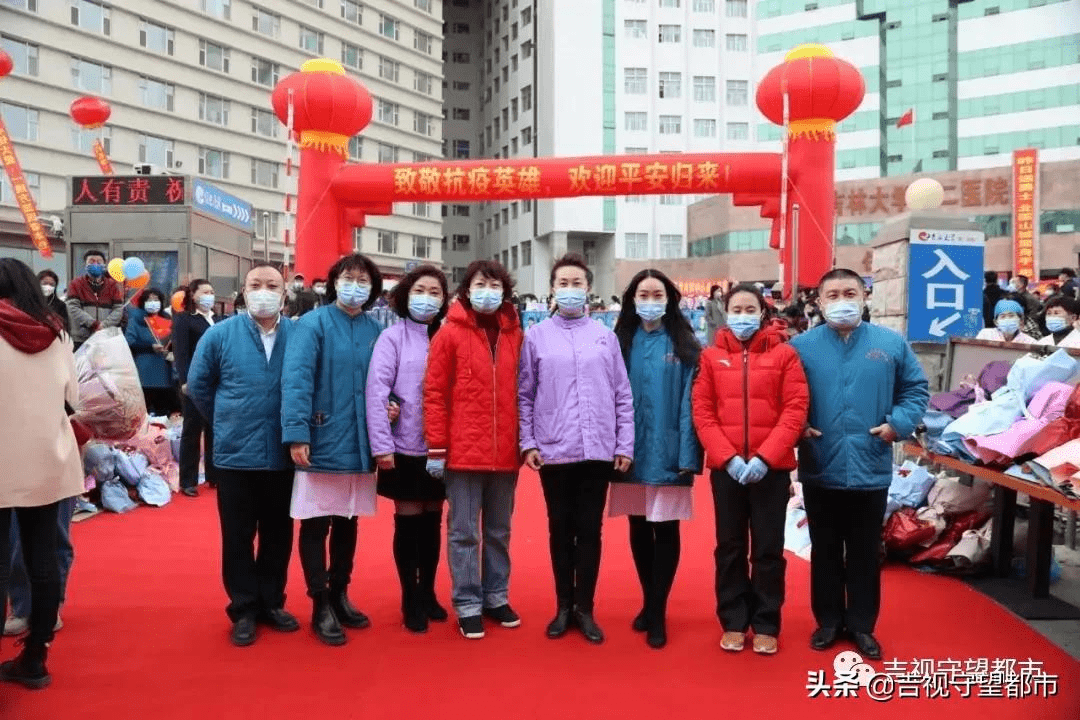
{"points": [[19, 582], [475, 498]]}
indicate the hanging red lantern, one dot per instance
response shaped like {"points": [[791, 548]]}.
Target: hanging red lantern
{"points": [[90, 112], [822, 90], [6, 63], [329, 107]]}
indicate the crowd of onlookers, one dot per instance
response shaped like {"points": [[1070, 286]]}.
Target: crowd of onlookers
{"points": [[1012, 312]]}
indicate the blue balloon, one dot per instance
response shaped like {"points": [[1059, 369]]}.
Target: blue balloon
{"points": [[133, 267]]}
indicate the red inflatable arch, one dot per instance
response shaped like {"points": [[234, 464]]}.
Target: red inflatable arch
{"points": [[808, 93]]}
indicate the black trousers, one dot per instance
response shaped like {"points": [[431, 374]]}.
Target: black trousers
{"points": [[845, 560], [39, 534], [195, 427], [750, 560], [161, 401], [575, 494], [254, 504], [321, 578]]}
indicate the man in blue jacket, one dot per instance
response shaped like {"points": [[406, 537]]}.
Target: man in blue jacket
{"points": [[235, 382], [867, 390]]}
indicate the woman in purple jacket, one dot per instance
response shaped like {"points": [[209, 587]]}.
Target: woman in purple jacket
{"points": [[577, 426], [395, 387]]}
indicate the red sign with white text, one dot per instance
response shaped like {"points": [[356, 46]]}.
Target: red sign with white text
{"points": [[23, 198], [1026, 213]]}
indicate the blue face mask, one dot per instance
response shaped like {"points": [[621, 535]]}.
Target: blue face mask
{"points": [[744, 326], [650, 310], [152, 306], [485, 300], [843, 314], [95, 271], [352, 294], [1056, 324], [206, 301], [571, 301], [424, 307], [1008, 326]]}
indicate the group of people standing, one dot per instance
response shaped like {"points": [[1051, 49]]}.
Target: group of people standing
{"points": [[1015, 314]]}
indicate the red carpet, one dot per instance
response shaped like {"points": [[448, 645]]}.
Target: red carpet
{"points": [[146, 637]]}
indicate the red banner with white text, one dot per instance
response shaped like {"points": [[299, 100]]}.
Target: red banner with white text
{"points": [[23, 198]]}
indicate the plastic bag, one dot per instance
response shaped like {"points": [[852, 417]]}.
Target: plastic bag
{"points": [[111, 400], [904, 531], [797, 532], [130, 467], [98, 462], [153, 490], [114, 497], [910, 484], [948, 539], [951, 498], [436, 468]]}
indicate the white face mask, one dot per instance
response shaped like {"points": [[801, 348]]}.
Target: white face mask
{"points": [[152, 306], [48, 290], [263, 303]]}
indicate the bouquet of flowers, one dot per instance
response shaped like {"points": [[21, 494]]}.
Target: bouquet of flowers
{"points": [[111, 403]]}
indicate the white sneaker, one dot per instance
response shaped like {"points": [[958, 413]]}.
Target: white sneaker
{"points": [[16, 626]]}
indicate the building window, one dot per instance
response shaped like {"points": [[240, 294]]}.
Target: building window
{"points": [[461, 211], [213, 109], [156, 94], [526, 16], [421, 246], [514, 258], [264, 72], [90, 16], [156, 151], [670, 33], [670, 124], [422, 82], [526, 136], [738, 131], [422, 42], [264, 173], [670, 85], [214, 163], [388, 153], [735, 8], [213, 56], [705, 38], [156, 37], [460, 28], [737, 91], [461, 149], [460, 113], [461, 86], [424, 5], [526, 206], [22, 122], [311, 40], [266, 23], [671, 246], [460, 58], [24, 56], [388, 112], [352, 56], [389, 27], [704, 88], [636, 121], [352, 11], [389, 69], [704, 128], [356, 148], [635, 29], [526, 253], [635, 81], [526, 98], [388, 242], [33, 182], [670, 199], [459, 275], [637, 245], [218, 8], [461, 242], [669, 3], [30, 5], [91, 77], [526, 49], [264, 122], [704, 5], [83, 140], [423, 123], [737, 43]]}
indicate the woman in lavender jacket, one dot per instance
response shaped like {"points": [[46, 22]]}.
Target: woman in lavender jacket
{"points": [[577, 426], [395, 390]]}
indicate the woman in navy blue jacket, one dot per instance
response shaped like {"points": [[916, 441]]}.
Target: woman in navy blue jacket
{"points": [[147, 335], [324, 424], [188, 328]]}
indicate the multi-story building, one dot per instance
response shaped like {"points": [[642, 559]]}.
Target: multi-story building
{"points": [[589, 78], [189, 84]]}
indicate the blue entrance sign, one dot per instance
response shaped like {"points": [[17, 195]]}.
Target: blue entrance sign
{"points": [[219, 204], [945, 281]]}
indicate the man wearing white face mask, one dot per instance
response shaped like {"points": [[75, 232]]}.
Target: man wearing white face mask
{"points": [[867, 390], [235, 382]]}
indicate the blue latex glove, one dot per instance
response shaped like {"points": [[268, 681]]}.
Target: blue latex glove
{"points": [[735, 468], [754, 471]]}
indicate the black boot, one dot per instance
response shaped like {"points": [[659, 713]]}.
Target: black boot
{"points": [[642, 550], [667, 549], [586, 623], [406, 557], [324, 622], [429, 543], [558, 626], [28, 668], [346, 614]]}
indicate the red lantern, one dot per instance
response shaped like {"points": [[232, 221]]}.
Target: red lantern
{"points": [[6, 63], [822, 90], [329, 107], [90, 112]]}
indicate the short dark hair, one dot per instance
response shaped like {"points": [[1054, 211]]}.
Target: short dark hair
{"points": [[145, 295], [572, 260], [1066, 303], [189, 293], [745, 287], [490, 270], [93, 253], [713, 289], [990, 276], [318, 280], [1068, 272], [352, 263], [841, 274], [48, 273], [1024, 278], [399, 296], [262, 264]]}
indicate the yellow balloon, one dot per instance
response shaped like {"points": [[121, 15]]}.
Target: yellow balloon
{"points": [[116, 269]]}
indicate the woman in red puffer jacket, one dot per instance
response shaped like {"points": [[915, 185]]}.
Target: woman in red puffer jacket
{"points": [[750, 402]]}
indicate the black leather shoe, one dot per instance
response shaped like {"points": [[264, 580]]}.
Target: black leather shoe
{"points": [[868, 645], [587, 624], [326, 625], [279, 620], [656, 635], [243, 632], [641, 622], [190, 492], [824, 638], [346, 614], [558, 627]]}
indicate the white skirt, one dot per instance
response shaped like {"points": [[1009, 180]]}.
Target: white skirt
{"points": [[658, 503], [318, 494]]}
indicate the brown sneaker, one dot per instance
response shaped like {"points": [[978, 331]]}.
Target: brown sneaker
{"points": [[733, 641], [766, 644]]}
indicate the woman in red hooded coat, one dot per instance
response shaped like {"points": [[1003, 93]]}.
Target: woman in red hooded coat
{"points": [[750, 402]]}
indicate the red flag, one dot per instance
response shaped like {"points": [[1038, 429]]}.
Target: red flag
{"points": [[906, 119]]}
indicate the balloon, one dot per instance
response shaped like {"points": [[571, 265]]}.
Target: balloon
{"points": [[116, 269], [133, 267], [924, 194], [178, 301], [140, 282]]}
